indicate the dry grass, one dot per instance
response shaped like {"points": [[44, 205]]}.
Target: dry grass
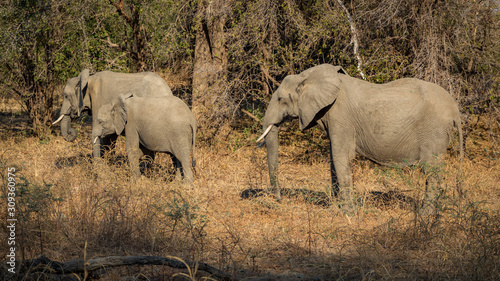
{"points": [[65, 201]]}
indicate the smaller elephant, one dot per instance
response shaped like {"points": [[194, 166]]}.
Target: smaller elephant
{"points": [[151, 124], [88, 92]]}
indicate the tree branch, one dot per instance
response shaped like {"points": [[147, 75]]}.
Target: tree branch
{"points": [[266, 74], [80, 266], [250, 115], [354, 38], [113, 45], [121, 12]]}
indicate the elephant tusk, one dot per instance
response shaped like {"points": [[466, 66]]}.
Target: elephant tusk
{"points": [[265, 133], [261, 144], [95, 140], [58, 119]]}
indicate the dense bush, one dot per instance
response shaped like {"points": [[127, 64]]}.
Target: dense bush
{"points": [[225, 55]]}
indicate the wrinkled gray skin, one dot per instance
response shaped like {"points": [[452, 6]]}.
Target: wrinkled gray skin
{"points": [[90, 92], [163, 124], [404, 122]]}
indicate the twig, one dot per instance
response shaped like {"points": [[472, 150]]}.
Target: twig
{"points": [[251, 115], [121, 12], [111, 44], [266, 74]]}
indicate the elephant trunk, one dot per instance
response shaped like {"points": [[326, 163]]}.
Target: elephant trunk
{"points": [[272, 155], [68, 133]]}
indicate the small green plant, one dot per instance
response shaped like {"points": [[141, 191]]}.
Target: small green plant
{"points": [[186, 218], [34, 204], [34, 198]]}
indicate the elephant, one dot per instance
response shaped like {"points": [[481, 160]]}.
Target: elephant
{"points": [[89, 92], [403, 122], [151, 124]]}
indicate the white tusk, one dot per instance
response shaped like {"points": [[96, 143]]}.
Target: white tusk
{"points": [[265, 133], [58, 119], [95, 140]]}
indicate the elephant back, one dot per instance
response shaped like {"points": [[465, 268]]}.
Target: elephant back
{"points": [[106, 85]]}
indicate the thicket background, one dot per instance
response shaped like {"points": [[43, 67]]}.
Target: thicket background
{"points": [[225, 55]]}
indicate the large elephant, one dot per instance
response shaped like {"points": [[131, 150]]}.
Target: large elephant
{"points": [[404, 122], [90, 92], [151, 124]]}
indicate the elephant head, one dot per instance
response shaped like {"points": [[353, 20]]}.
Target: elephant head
{"points": [[112, 117], [307, 96], [74, 101]]}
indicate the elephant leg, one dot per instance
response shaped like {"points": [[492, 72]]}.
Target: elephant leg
{"points": [[335, 180], [177, 167], [134, 155], [344, 178], [96, 145], [184, 158], [150, 157], [134, 152], [342, 152], [433, 190]]}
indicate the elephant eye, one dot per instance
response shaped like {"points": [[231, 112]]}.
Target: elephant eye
{"points": [[279, 98]]}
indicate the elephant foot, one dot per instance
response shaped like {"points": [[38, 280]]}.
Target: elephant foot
{"points": [[277, 194], [348, 207], [99, 161], [346, 200], [428, 209]]}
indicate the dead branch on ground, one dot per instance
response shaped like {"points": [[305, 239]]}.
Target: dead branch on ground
{"points": [[43, 264]]}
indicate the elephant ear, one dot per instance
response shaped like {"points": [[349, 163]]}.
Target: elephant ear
{"points": [[316, 94], [119, 114], [83, 99]]}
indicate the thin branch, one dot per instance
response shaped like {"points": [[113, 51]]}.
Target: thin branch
{"points": [[113, 45], [266, 74], [354, 38], [251, 115], [121, 12]]}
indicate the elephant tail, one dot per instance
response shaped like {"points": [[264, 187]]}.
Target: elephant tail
{"points": [[458, 124], [193, 145]]}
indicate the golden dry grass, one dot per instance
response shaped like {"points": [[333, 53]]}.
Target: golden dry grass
{"points": [[65, 201]]}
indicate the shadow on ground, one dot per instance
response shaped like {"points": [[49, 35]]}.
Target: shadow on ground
{"points": [[148, 168], [71, 161], [323, 199]]}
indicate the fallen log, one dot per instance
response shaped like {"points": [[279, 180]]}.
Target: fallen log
{"points": [[79, 266]]}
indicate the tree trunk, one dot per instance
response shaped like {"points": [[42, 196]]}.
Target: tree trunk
{"points": [[210, 63], [138, 42]]}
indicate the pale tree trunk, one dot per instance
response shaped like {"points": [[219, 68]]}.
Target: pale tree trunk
{"points": [[354, 40], [210, 63]]}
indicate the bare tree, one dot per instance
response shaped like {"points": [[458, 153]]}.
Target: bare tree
{"points": [[210, 63], [136, 48]]}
